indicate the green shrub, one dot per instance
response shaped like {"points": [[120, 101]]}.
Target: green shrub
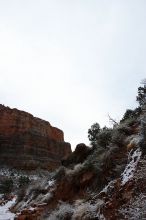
{"points": [[104, 137], [23, 180], [99, 137], [123, 129], [94, 161], [118, 137], [92, 133], [21, 194], [6, 186], [131, 114], [60, 173]]}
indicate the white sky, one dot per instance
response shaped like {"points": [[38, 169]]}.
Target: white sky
{"points": [[72, 62]]}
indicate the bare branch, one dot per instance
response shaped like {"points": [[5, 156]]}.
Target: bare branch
{"points": [[112, 121]]}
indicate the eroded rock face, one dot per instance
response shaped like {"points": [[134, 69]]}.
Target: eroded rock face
{"points": [[28, 142]]}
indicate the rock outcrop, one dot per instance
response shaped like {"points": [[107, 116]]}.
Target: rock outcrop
{"points": [[78, 156], [28, 142]]}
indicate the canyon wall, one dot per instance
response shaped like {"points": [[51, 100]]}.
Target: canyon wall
{"points": [[28, 142]]}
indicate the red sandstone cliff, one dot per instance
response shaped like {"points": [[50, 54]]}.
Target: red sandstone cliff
{"points": [[29, 142]]}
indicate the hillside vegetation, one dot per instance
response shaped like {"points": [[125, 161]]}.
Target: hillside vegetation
{"points": [[104, 181]]}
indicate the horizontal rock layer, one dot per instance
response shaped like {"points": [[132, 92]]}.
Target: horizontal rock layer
{"points": [[28, 142]]}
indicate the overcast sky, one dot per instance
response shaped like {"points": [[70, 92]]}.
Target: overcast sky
{"points": [[72, 62]]}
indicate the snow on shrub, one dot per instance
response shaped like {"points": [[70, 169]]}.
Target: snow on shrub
{"points": [[5, 214], [77, 169], [85, 211], [63, 211], [88, 210]]}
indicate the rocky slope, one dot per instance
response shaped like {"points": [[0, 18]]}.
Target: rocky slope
{"points": [[100, 183], [76, 195], [27, 142]]}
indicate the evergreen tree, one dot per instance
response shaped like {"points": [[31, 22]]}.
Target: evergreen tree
{"points": [[141, 95], [93, 132], [99, 137]]}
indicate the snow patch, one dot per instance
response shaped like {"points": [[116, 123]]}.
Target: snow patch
{"points": [[31, 208], [109, 187], [131, 166], [51, 183], [5, 214]]}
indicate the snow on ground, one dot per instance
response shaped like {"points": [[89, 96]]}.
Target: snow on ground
{"points": [[131, 166], [136, 209], [16, 174], [51, 183], [108, 187], [5, 214]]}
